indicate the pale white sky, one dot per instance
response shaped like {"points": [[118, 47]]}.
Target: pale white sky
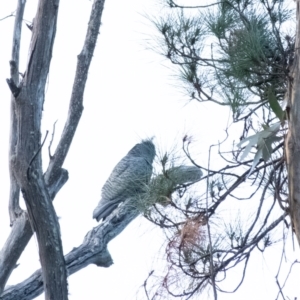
{"points": [[131, 94]]}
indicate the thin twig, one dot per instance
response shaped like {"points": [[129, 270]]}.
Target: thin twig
{"points": [[212, 273], [287, 276], [145, 284], [35, 155], [11, 15], [173, 4], [51, 141]]}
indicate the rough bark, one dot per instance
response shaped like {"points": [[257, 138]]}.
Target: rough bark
{"points": [[26, 164], [8, 261], [25, 145], [292, 143], [14, 208], [93, 250], [76, 101], [20, 235]]}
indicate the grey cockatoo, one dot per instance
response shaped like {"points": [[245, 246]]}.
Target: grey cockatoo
{"points": [[128, 179]]}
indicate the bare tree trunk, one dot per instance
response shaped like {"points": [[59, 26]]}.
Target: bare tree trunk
{"points": [[93, 250], [14, 208], [26, 163], [26, 172], [292, 143], [7, 261]]}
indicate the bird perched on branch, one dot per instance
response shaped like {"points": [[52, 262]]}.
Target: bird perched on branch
{"points": [[128, 179]]}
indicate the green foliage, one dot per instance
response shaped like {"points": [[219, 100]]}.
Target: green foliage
{"points": [[162, 186], [274, 104], [262, 141], [232, 53], [235, 53]]}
